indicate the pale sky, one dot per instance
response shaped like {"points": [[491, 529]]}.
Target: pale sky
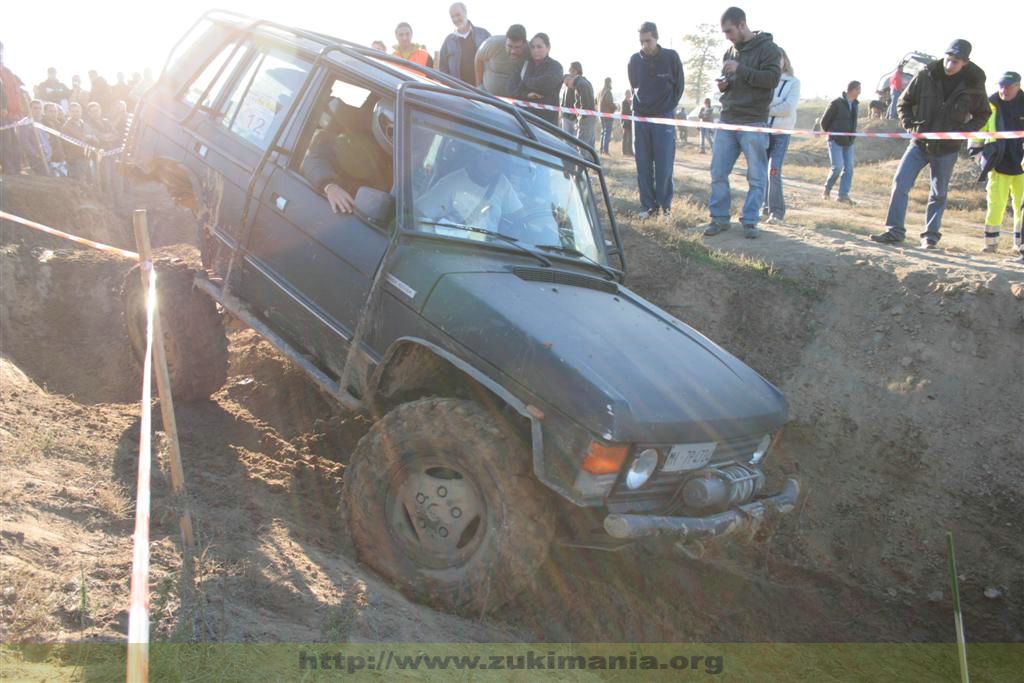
{"points": [[828, 44]]}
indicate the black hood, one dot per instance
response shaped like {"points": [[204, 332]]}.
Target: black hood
{"points": [[611, 361]]}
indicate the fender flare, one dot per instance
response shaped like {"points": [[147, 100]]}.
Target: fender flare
{"points": [[536, 431]]}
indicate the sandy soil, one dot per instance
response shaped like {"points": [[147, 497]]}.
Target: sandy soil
{"points": [[902, 368]]}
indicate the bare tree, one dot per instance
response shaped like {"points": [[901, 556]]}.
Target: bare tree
{"points": [[702, 64]]}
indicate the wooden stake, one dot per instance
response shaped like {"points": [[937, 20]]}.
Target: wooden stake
{"points": [[958, 617], [163, 384]]}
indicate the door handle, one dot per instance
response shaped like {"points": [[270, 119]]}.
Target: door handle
{"points": [[201, 149], [279, 202]]}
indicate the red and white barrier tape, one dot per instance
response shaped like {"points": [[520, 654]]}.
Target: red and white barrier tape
{"points": [[74, 238], [1001, 135], [138, 606], [91, 149], [27, 121]]}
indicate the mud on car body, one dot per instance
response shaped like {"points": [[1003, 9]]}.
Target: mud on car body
{"points": [[473, 303]]}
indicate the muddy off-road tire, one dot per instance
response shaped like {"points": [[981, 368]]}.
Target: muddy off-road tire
{"points": [[443, 504], [194, 339]]}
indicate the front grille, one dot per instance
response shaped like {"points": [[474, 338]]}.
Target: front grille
{"points": [[558, 277], [658, 494]]}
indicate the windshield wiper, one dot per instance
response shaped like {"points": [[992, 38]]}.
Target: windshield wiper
{"points": [[558, 249], [491, 233]]}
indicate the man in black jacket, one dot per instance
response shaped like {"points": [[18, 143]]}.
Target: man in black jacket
{"points": [[841, 117], [656, 78], [946, 96]]}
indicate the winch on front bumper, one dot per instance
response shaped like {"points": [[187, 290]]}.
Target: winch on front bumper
{"points": [[746, 517]]}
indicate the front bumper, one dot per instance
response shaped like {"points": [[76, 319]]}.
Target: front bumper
{"points": [[746, 518]]}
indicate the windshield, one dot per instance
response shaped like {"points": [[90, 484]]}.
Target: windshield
{"points": [[474, 179]]}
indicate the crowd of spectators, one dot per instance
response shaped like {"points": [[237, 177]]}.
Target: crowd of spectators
{"points": [[81, 128], [67, 131]]}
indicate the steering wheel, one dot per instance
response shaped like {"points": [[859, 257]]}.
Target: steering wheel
{"points": [[533, 227]]}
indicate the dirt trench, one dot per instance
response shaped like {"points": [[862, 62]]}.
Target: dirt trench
{"points": [[904, 380]]}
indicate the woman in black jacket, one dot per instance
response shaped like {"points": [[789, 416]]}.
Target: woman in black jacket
{"points": [[540, 79]]}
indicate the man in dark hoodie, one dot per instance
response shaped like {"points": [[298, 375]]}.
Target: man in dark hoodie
{"points": [[841, 117], [946, 96], [750, 71], [656, 78]]}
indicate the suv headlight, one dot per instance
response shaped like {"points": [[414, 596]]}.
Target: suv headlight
{"points": [[761, 450], [642, 468]]}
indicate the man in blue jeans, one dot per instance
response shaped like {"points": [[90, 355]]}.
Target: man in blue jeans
{"points": [[947, 95], [750, 72], [656, 78], [841, 117]]}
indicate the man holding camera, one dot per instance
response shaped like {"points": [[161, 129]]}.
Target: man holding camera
{"points": [[750, 71]]}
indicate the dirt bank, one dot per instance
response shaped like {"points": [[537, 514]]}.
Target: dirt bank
{"points": [[903, 373]]}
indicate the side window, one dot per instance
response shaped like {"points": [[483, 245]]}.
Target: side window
{"points": [[343, 147], [217, 66], [262, 97]]}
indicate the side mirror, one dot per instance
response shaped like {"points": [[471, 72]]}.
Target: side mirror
{"points": [[376, 207]]}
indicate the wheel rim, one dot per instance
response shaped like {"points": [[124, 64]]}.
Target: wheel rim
{"points": [[437, 513]]}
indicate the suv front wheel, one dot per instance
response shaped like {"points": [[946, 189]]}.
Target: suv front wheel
{"points": [[443, 504]]}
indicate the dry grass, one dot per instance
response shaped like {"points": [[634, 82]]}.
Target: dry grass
{"points": [[676, 233], [876, 179], [113, 499], [27, 605]]}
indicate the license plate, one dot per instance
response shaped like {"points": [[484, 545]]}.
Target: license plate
{"points": [[688, 456]]}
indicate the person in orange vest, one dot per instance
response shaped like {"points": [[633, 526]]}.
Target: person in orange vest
{"points": [[406, 49]]}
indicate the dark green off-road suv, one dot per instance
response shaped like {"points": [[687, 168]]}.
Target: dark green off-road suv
{"points": [[448, 265]]}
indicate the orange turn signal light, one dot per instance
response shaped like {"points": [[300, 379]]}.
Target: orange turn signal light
{"points": [[603, 459]]}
